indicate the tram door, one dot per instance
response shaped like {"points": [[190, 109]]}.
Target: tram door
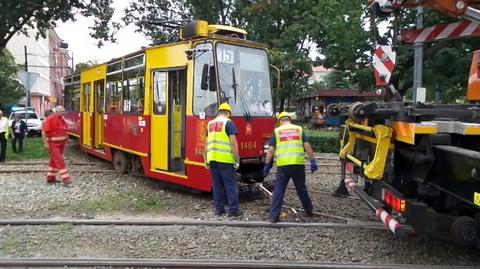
{"points": [[86, 113], [168, 120], [177, 91], [99, 109]]}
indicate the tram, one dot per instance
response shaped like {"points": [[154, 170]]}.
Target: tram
{"points": [[147, 112]]}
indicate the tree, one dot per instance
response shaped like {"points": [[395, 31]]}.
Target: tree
{"points": [[283, 25], [16, 16], [12, 90], [82, 66], [160, 19], [338, 79], [347, 38]]}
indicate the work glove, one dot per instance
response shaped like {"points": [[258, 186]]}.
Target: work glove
{"points": [[313, 166], [236, 165], [266, 169]]}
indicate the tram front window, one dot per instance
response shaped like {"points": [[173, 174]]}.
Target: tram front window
{"points": [[244, 80]]}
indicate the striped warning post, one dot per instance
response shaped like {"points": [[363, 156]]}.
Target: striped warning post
{"points": [[383, 64], [441, 32], [390, 222]]}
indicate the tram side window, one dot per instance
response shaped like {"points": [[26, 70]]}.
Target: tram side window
{"points": [[205, 101], [159, 92], [76, 99], [86, 97], [68, 98], [133, 95], [113, 97]]}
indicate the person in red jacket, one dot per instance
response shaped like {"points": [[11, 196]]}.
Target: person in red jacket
{"points": [[54, 133]]}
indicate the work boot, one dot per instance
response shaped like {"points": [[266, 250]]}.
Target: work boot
{"points": [[273, 220], [51, 180], [219, 213], [309, 213], [67, 183], [237, 213]]}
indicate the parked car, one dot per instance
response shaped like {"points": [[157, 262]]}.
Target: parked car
{"points": [[34, 123]]}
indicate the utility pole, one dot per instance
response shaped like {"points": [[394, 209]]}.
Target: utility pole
{"points": [[27, 93], [418, 60]]}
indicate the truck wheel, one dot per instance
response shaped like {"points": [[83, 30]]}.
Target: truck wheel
{"points": [[464, 231], [120, 162]]}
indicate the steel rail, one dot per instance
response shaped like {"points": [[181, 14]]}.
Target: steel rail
{"points": [[175, 222], [43, 163], [107, 171], [193, 264]]}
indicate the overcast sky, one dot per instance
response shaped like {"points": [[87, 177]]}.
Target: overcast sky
{"points": [[84, 48]]}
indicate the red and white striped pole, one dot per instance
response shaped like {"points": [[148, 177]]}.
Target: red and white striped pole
{"points": [[441, 32], [383, 215], [383, 64]]}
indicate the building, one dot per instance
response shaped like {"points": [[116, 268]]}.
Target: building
{"points": [[59, 68], [47, 61], [318, 74], [324, 97]]}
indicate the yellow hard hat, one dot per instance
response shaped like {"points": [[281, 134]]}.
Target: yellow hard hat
{"points": [[283, 115], [225, 106]]}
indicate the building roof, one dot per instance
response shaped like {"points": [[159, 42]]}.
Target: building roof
{"points": [[320, 69]]}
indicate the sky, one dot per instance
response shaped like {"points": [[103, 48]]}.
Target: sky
{"points": [[84, 48]]}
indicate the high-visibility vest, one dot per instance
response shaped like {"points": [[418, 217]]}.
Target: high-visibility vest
{"points": [[289, 145], [219, 148], [4, 127]]}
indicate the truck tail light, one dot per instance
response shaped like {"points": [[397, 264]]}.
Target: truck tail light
{"points": [[394, 202]]}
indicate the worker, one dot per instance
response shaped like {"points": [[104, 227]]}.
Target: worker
{"points": [[289, 144], [222, 159], [4, 134], [54, 134], [19, 130]]}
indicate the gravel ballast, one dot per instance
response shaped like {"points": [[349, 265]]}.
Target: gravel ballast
{"points": [[105, 195], [114, 196], [177, 242]]}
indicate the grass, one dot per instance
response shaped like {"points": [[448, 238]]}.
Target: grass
{"points": [[8, 244], [321, 133], [133, 201], [56, 205], [65, 228], [32, 149]]}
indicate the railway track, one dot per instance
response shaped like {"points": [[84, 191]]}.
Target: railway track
{"points": [[193, 264], [176, 222]]}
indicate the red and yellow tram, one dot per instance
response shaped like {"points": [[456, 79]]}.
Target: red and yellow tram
{"points": [[147, 112]]}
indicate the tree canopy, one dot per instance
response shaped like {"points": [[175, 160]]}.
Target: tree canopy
{"points": [[11, 88], [16, 16]]}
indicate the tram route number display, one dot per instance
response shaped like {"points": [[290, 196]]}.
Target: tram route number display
{"points": [[225, 56]]}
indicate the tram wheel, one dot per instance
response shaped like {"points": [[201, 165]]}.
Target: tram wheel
{"points": [[464, 231], [120, 162]]}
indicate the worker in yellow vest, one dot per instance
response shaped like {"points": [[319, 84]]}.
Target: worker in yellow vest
{"points": [[222, 159], [289, 144], [4, 134]]}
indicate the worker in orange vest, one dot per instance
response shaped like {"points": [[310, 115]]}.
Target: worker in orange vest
{"points": [[54, 133]]}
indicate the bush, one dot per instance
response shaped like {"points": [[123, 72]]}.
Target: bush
{"points": [[324, 141]]}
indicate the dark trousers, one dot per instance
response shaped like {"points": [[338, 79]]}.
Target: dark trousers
{"points": [[18, 138], [284, 173], [224, 187], [3, 146]]}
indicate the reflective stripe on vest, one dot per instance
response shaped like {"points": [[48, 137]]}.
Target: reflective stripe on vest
{"points": [[289, 145], [219, 148]]}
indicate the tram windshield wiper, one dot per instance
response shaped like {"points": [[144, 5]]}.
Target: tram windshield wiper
{"points": [[236, 90]]}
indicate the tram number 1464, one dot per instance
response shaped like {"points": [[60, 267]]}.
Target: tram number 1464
{"points": [[251, 145]]}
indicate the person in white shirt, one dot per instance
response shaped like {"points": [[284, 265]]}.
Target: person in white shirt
{"points": [[4, 132]]}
